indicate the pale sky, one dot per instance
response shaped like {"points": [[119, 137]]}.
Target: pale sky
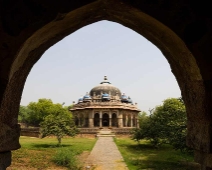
{"points": [[79, 62]]}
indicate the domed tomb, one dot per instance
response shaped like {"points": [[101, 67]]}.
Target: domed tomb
{"points": [[105, 106], [105, 87]]}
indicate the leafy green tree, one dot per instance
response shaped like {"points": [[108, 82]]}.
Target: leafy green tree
{"points": [[150, 129], [23, 115], [39, 110], [59, 124], [35, 112], [172, 118], [140, 133], [167, 124], [142, 116], [68, 107]]}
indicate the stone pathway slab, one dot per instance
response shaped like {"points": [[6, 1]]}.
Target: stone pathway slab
{"points": [[105, 156]]}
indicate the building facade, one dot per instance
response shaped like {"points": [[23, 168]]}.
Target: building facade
{"points": [[105, 106]]}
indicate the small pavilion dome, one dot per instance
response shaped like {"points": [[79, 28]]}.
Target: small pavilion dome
{"points": [[130, 100], [124, 98], [80, 100], [105, 96], [86, 97]]}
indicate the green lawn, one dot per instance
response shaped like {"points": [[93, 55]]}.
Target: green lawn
{"points": [[144, 156], [37, 153]]}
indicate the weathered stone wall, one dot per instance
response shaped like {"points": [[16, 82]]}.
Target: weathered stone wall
{"points": [[32, 132], [122, 131]]}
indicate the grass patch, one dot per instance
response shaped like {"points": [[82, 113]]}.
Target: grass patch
{"points": [[144, 156], [67, 157], [42, 154]]}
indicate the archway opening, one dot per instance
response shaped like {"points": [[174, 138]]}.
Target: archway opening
{"points": [[105, 120], [96, 120], [170, 44], [129, 70]]}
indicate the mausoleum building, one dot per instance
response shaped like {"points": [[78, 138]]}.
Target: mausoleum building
{"points": [[105, 106]]}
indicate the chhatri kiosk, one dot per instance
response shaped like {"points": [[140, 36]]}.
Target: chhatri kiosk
{"points": [[105, 106]]}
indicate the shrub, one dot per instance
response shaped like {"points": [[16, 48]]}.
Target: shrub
{"points": [[66, 157]]}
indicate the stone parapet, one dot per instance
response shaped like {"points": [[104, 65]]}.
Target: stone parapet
{"points": [[111, 104], [32, 132]]}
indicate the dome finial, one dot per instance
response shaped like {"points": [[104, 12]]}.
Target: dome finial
{"points": [[105, 77], [105, 81]]}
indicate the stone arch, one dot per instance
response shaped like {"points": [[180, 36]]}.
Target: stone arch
{"points": [[129, 120], [105, 119], [171, 45], [96, 119], [114, 120], [128, 116], [34, 40]]}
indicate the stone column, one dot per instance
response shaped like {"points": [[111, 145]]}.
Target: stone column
{"points": [[91, 123], [5, 160], [131, 121], [126, 121], [9, 140], [91, 120], [100, 119], [100, 122], [120, 120], [110, 119]]}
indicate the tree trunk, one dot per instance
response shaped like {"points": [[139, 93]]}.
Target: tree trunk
{"points": [[59, 140]]}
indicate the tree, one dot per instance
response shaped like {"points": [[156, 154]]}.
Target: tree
{"points": [[59, 123], [142, 116], [39, 110], [23, 115], [167, 124]]}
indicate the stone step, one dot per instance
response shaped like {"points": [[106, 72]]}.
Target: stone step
{"points": [[105, 135], [105, 132]]}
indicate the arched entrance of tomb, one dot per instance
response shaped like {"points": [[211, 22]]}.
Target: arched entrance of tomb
{"points": [[24, 41], [96, 120], [114, 120], [105, 120], [129, 121]]}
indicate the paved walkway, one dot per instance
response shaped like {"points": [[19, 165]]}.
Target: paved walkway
{"points": [[105, 156]]}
